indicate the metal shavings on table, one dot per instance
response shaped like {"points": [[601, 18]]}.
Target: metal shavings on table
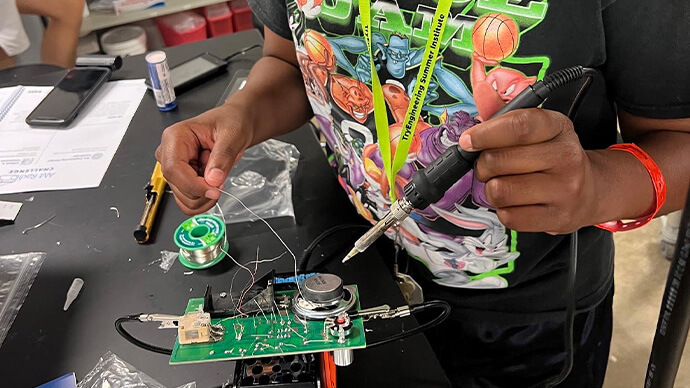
{"points": [[39, 224]]}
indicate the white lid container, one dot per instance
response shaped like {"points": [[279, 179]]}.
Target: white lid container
{"points": [[88, 45], [124, 40]]}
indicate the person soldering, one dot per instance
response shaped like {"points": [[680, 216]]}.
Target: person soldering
{"points": [[494, 245]]}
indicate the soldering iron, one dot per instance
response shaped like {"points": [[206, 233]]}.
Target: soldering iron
{"points": [[430, 184]]}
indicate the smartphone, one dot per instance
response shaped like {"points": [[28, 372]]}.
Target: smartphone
{"points": [[195, 71], [61, 106]]}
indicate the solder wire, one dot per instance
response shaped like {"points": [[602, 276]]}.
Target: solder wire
{"points": [[299, 288], [203, 255], [232, 299], [207, 254], [250, 283], [294, 258], [225, 239], [253, 279]]}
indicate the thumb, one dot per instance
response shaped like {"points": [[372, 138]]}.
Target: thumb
{"points": [[223, 156]]}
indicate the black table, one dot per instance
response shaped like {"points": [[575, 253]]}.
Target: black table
{"points": [[87, 240]]}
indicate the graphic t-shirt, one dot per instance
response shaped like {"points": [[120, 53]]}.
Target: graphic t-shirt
{"points": [[490, 51]]}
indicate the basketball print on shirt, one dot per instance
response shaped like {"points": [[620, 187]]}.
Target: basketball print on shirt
{"points": [[495, 36], [479, 70]]}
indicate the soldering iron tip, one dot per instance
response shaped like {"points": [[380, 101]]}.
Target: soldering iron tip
{"points": [[350, 255]]}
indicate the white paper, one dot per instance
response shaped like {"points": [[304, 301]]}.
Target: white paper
{"points": [[5, 94], [9, 210], [36, 159]]}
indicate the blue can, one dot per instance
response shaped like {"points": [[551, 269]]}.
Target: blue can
{"points": [[161, 83]]}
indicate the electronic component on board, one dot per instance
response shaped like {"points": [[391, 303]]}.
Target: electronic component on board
{"points": [[196, 328], [270, 320]]}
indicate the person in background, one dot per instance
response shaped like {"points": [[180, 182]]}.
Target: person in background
{"points": [[60, 38]]}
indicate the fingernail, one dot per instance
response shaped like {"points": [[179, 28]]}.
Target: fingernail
{"points": [[466, 142], [212, 194], [215, 177]]}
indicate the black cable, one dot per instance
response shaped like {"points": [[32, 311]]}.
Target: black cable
{"points": [[242, 52], [304, 260], [589, 75], [568, 326], [439, 304], [125, 334], [673, 324]]}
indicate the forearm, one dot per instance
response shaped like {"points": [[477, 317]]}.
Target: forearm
{"points": [[624, 186], [273, 101]]}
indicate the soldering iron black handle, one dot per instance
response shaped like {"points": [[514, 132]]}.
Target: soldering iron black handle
{"points": [[429, 184]]}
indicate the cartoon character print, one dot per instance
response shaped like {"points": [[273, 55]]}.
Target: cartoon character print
{"points": [[459, 238], [315, 77], [352, 96], [311, 8], [296, 22], [495, 89], [397, 57]]}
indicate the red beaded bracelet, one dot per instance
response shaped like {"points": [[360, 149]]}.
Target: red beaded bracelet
{"points": [[659, 189]]}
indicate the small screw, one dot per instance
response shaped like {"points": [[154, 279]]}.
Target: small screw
{"points": [[223, 294]]}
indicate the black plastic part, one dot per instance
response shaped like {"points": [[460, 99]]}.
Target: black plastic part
{"points": [[564, 77], [531, 97], [431, 183], [674, 317], [208, 299], [111, 62], [294, 371], [223, 307], [140, 234]]}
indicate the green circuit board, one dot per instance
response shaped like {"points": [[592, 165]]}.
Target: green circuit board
{"points": [[265, 335]]}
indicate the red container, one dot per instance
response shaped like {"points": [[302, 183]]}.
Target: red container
{"points": [[218, 19], [182, 27], [241, 15]]}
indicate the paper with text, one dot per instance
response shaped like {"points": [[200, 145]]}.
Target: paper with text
{"points": [[38, 159]]}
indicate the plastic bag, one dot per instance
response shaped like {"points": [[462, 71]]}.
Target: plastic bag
{"points": [[168, 258], [113, 372], [262, 180], [17, 274]]}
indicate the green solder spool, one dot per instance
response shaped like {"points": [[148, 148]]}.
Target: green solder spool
{"points": [[201, 240]]}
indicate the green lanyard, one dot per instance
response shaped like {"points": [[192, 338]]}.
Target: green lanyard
{"points": [[431, 52]]}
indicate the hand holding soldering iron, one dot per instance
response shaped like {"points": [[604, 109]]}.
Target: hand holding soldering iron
{"points": [[537, 175]]}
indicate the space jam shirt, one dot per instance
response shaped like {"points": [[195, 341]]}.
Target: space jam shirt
{"points": [[490, 51]]}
